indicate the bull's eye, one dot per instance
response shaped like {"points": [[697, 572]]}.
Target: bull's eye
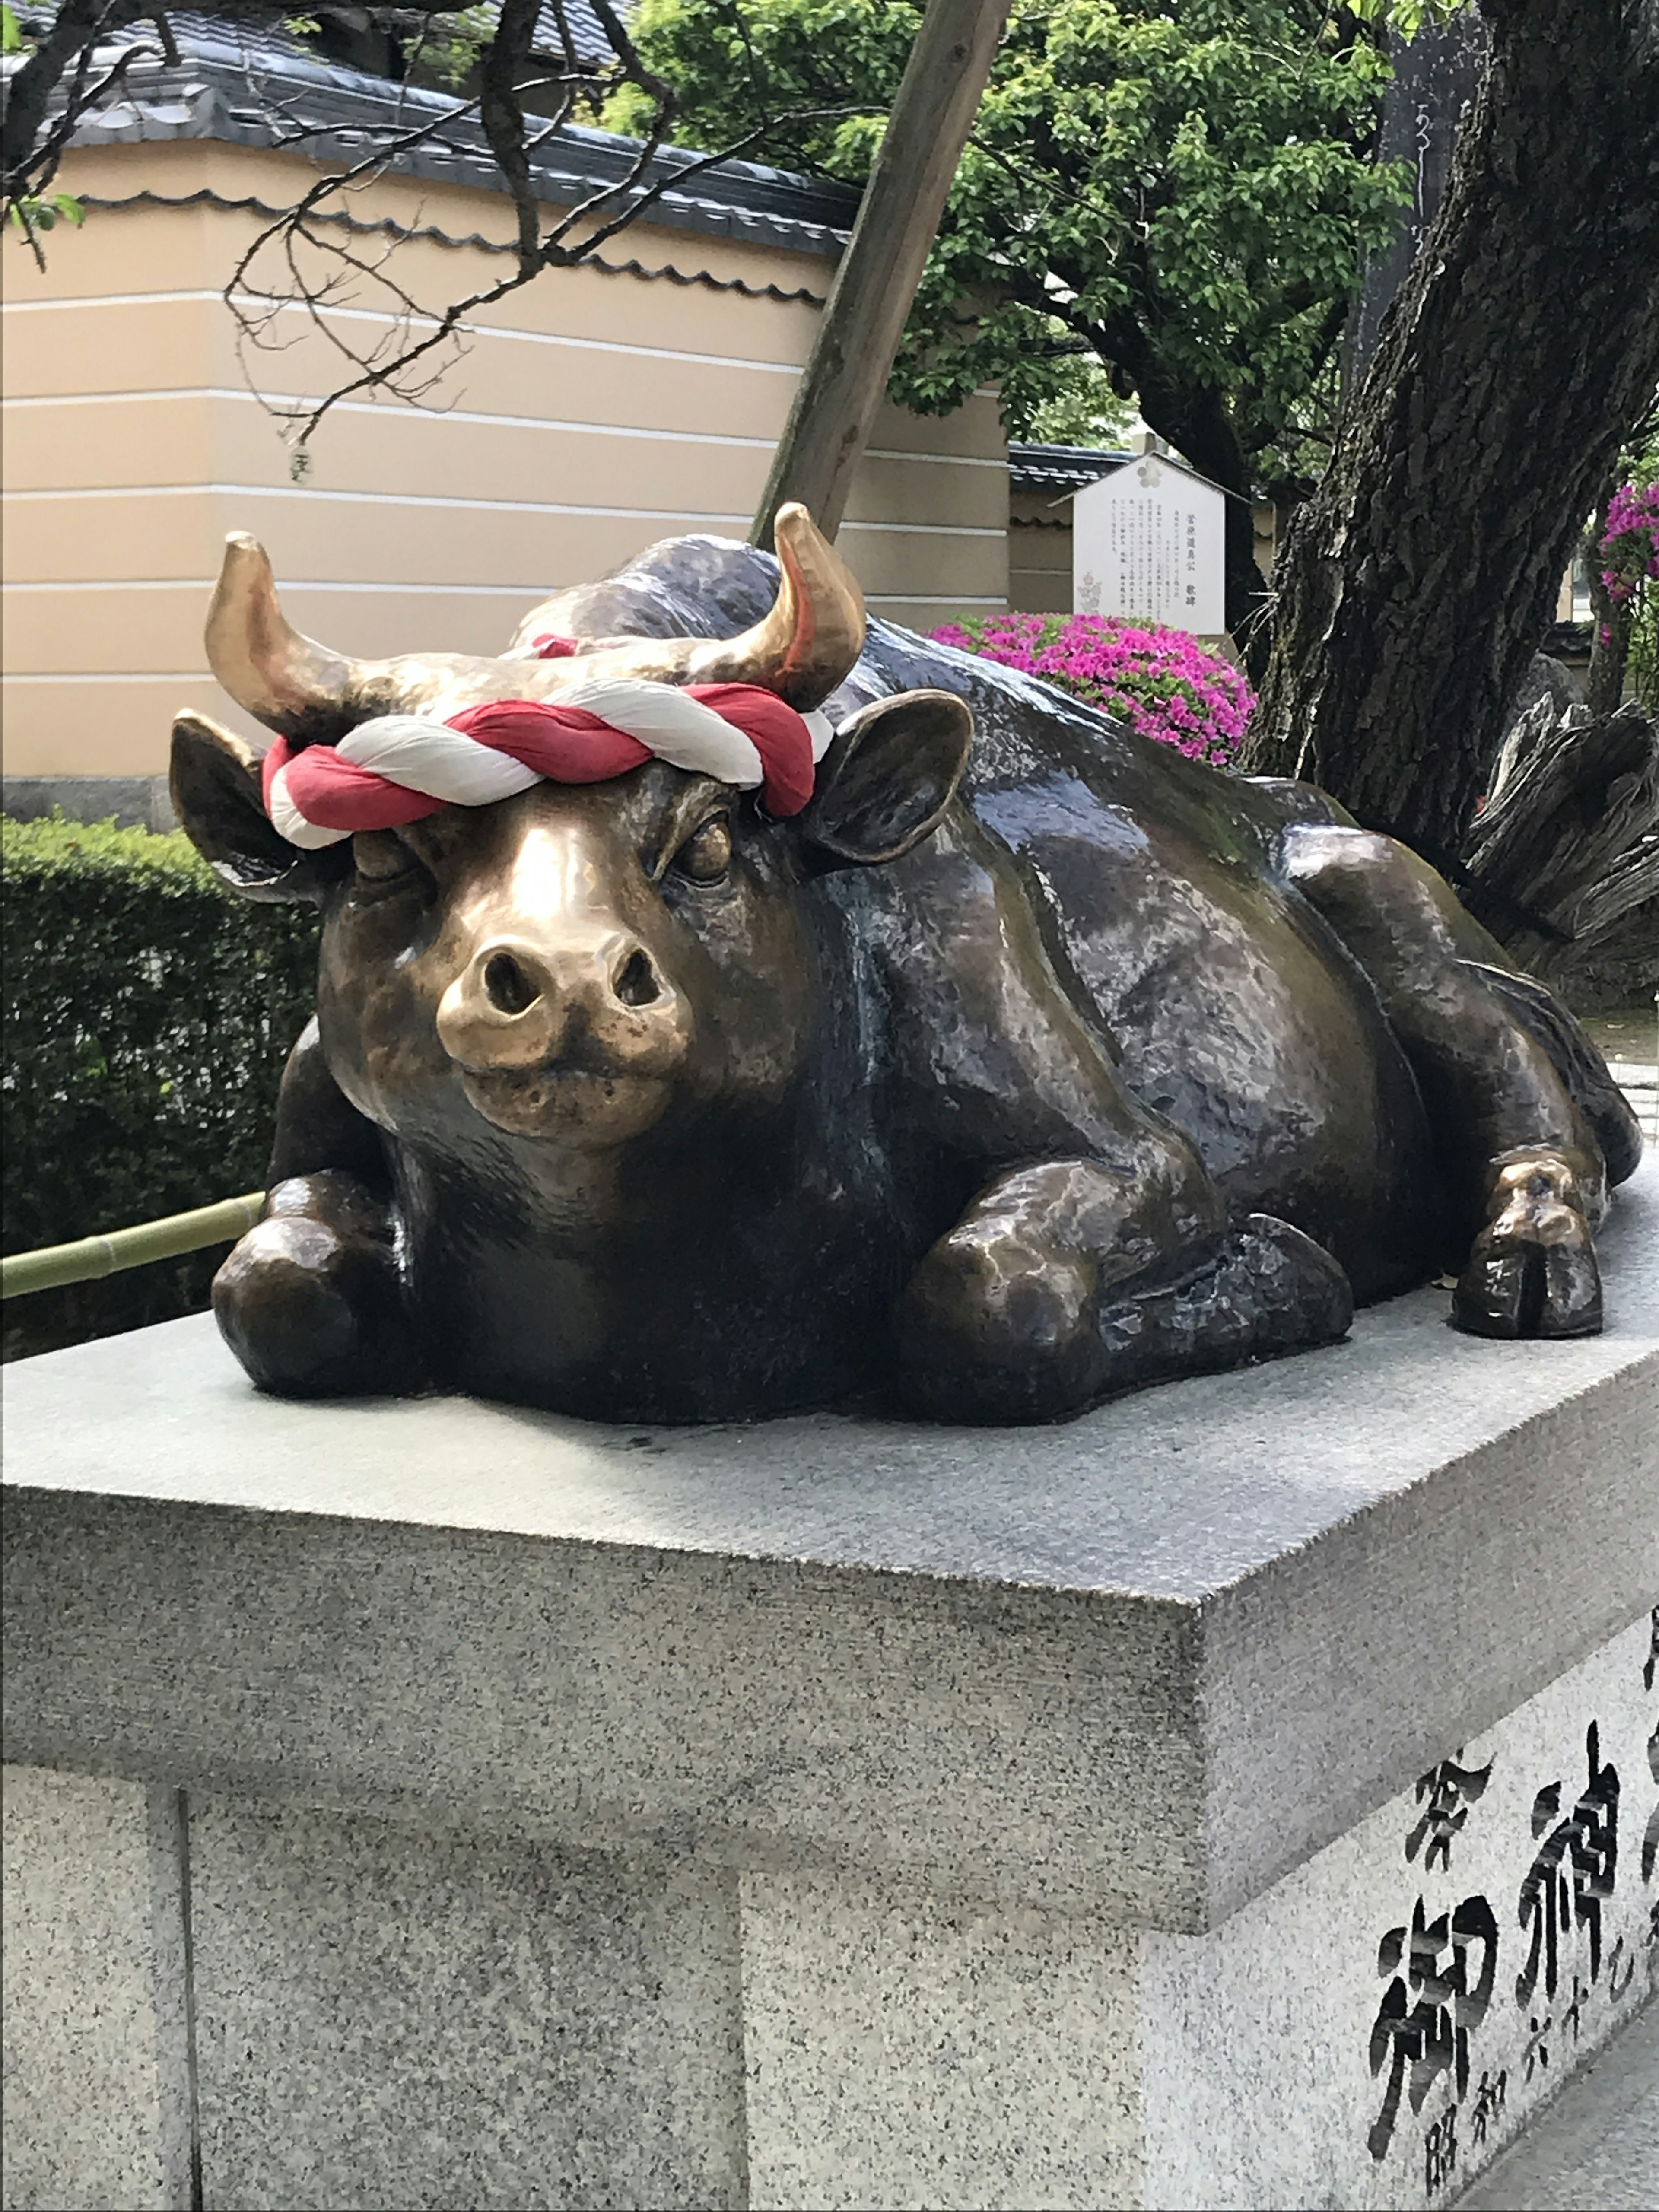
{"points": [[382, 857], [707, 854]]}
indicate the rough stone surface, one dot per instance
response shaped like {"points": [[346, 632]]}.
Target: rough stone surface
{"points": [[95, 2086], [903, 2051], [1268, 2055], [398, 2019], [1597, 2145], [1031, 1812], [1148, 1662]]}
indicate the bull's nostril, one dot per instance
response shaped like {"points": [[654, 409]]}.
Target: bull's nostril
{"points": [[507, 986], [637, 985]]}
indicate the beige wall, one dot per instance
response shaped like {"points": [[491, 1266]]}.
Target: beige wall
{"points": [[1039, 553], [592, 414]]}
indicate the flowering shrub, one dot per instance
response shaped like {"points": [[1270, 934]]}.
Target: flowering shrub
{"points": [[1629, 546], [1630, 575], [1160, 682]]}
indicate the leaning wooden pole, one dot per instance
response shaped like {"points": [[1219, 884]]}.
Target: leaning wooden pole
{"points": [[846, 375]]}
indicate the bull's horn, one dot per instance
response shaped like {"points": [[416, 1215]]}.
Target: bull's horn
{"points": [[807, 645], [282, 680]]}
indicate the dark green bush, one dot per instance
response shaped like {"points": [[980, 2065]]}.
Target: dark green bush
{"points": [[148, 1014]]}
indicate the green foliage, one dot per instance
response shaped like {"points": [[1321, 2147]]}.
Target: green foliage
{"points": [[148, 1014], [451, 46], [1407, 17], [1185, 185], [26, 213], [1082, 410]]}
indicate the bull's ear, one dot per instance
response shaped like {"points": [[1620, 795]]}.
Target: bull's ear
{"points": [[215, 782], [891, 774]]}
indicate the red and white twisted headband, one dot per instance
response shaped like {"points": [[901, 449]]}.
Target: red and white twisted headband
{"points": [[399, 768]]}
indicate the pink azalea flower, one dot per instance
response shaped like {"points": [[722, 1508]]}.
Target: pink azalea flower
{"points": [[1161, 682]]}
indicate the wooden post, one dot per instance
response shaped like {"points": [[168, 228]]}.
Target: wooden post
{"points": [[845, 375]]}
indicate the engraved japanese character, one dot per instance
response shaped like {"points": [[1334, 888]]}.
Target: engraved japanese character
{"points": [[1573, 1874], [1450, 1790], [1617, 1983], [1489, 2095], [1428, 2014], [1440, 2151]]}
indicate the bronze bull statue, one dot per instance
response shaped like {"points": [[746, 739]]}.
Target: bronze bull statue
{"points": [[1024, 1062]]}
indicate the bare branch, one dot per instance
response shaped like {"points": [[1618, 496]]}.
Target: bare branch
{"points": [[503, 116], [30, 149], [312, 262]]}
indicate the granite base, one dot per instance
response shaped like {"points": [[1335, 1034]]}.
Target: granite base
{"points": [[1247, 1797]]}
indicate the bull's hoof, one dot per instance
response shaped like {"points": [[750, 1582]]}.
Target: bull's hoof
{"points": [[310, 1314], [1000, 1331], [1270, 1290], [1533, 1271]]}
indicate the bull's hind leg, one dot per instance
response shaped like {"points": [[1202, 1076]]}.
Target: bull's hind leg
{"points": [[1525, 1178], [1061, 1284]]}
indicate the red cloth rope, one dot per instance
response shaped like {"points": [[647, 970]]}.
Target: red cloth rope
{"points": [[566, 745]]}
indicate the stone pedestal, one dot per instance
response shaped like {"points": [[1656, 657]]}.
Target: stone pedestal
{"points": [[1246, 1795]]}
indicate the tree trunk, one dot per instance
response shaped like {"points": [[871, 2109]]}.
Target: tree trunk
{"points": [[1419, 580], [1566, 843]]}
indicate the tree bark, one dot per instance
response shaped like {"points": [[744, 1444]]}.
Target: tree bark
{"points": [[1419, 580], [1566, 843]]}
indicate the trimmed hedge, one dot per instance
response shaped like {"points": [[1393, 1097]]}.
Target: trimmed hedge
{"points": [[148, 1014]]}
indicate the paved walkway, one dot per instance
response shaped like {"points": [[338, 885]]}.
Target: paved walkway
{"points": [[1629, 1042], [1596, 2147]]}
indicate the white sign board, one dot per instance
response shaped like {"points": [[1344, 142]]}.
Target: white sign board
{"points": [[1146, 541]]}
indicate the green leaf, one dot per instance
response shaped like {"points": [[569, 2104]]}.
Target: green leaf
{"points": [[1154, 180], [12, 31], [70, 207]]}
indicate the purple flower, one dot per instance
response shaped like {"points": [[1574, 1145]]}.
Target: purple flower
{"points": [[1630, 543]]}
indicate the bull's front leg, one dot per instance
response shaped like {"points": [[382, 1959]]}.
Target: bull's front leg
{"points": [[311, 1301], [1066, 1282]]}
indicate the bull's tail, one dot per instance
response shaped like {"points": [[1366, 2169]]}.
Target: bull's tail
{"points": [[1579, 1063]]}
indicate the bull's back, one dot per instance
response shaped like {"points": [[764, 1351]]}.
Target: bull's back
{"points": [[1231, 1006]]}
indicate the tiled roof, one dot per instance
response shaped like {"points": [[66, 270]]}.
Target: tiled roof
{"points": [[255, 85], [1061, 468], [269, 40]]}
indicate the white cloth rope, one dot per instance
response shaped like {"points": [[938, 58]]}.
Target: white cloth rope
{"points": [[289, 821], [430, 756], [420, 754]]}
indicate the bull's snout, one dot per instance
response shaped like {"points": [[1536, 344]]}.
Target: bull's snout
{"points": [[601, 1003]]}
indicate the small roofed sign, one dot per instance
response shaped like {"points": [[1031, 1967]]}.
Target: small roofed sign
{"points": [[1146, 541]]}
